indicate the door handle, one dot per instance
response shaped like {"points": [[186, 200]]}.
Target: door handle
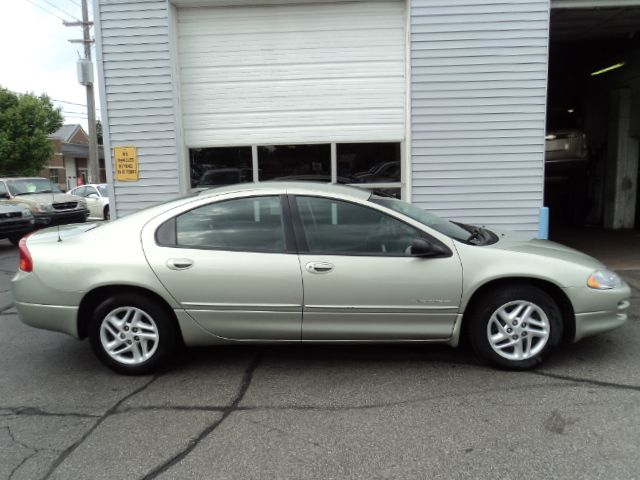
{"points": [[179, 263], [319, 267]]}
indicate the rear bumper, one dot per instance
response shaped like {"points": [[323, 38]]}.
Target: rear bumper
{"points": [[49, 317], [61, 217]]}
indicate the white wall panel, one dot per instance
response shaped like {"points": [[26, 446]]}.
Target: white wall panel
{"points": [[292, 73], [137, 89], [478, 101]]}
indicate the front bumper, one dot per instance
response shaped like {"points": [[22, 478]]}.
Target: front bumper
{"points": [[49, 317], [598, 311], [20, 226], [61, 217]]}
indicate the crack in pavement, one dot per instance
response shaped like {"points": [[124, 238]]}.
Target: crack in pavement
{"points": [[24, 460], [37, 412], [68, 451], [597, 383], [228, 410], [33, 451]]}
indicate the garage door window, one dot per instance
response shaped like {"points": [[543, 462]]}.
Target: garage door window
{"points": [[295, 162], [212, 167], [372, 166]]}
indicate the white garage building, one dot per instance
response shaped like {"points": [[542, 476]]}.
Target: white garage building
{"points": [[440, 101]]}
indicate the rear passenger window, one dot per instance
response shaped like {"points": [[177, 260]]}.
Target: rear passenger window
{"points": [[248, 224]]}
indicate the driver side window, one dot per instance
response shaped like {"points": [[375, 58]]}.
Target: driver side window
{"points": [[343, 228]]}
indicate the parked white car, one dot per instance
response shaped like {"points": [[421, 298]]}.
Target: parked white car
{"points": [[97, 198]]}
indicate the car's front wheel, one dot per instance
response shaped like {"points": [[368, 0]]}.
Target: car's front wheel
{"points": [[131, 334], [515, 327]]}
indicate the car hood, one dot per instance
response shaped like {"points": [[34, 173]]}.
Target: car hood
{"points": [[48, 198], [546, 249], [10, 209]]}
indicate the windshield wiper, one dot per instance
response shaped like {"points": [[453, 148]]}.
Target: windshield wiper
{"points": [[476, 234], [23, 193]]}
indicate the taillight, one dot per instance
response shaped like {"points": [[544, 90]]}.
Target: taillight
{"points": [[26, 262]]}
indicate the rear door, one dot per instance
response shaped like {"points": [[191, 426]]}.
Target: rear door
{"points": [[231, 266], [360, 280]]}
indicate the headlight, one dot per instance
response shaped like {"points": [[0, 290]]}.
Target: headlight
{"points": [[26, 213], [81, 205], [44, 207], [603, 280]]}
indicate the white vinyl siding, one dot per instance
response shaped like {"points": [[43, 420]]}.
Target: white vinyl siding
{"points": [[277, 74], [478, 99], [138, 90]]}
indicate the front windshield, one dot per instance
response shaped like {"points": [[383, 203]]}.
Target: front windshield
{"points": [[441, 225], [27, 186], [103, 190]]}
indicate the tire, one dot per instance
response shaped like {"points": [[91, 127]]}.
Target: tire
{"points": [[106, 214], [515, 327], [117, 318], [15, 239]]}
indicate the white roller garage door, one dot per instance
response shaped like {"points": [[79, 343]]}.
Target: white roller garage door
{"points": [[292, 73]]}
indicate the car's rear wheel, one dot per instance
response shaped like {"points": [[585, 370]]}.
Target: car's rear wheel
{"points": [[131, 334], [515, 327], [106, 213]]}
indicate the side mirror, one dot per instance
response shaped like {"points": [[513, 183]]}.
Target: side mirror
{"points": [[93, 195], [421, 247]]}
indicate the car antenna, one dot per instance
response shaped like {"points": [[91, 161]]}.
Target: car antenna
{"points": [[53, 199]]}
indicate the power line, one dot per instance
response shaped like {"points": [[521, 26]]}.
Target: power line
{"points": [[60, 10], [71, 103], [45, 10], [78, 5]]}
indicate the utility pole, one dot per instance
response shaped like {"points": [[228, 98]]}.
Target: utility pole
{"points": [[87, 80]]}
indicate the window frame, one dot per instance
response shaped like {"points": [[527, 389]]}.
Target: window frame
{"points": [[288, 235], [303, 245]]}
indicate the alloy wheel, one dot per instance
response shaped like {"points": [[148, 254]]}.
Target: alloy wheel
{"points": [[129, 335], [518, 330]]}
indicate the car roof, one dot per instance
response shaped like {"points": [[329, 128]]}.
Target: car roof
{"points": [[291, 187]]}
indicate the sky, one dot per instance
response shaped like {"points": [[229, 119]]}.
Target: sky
{"points": [[36, 56]]}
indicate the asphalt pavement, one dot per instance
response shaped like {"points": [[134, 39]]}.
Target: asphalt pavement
{"points": [[316, 412]]}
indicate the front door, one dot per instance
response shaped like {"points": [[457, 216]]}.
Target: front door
{"points": [[360, 281], [227, 264]]}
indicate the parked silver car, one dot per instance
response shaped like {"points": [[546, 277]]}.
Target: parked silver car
{"points": [[15, 222], [283, 262]]}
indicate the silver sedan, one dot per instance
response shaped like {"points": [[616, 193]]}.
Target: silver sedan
{"points": [[293, 262]]}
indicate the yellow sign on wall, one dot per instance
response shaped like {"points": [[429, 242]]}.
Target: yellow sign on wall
{"points": [[126, 159]]}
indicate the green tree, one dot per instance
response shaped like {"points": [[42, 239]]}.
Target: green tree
{"points": [[26, 121], [99, 132]]}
